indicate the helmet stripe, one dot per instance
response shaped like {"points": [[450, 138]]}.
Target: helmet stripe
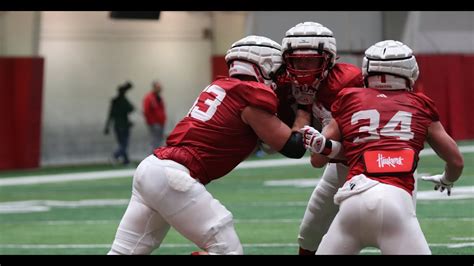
{"points": [[259, 45]]}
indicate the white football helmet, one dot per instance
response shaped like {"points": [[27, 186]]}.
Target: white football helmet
{"points": [[309, 51], [256, 56], [390, 57]]}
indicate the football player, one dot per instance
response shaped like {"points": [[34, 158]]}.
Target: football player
{"points": [[306, 92], [169, 185], [382, 129]]}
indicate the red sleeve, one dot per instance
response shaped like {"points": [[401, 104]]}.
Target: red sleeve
{"points": [[429, 105], [258, 95], [336, 105], [357, 80], [348, 75], [343, 75]]}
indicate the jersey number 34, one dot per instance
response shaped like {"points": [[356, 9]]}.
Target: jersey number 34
{"points": [[399, 125]]}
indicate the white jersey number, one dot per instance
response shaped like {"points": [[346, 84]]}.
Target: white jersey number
{"points": [[204, 111], [401, 118]]}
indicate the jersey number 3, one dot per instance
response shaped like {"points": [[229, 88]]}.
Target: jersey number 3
{"points": [[399, 125], [206, 104]]}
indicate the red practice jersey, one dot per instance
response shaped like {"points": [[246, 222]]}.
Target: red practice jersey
{"points": [[212, 139], [372, 119], [342, 75]]}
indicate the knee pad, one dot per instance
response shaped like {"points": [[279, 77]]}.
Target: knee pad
{"points": [[127, 243], [321, 208], [319, 214], [322, 196], [335, 174], [221, 239]]}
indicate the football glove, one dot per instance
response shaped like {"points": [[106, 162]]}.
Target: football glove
{"points": [[440, 181], [313, 140]]}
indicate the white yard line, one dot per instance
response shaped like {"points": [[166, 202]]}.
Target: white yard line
{"points": [[28, 206], [463, 149], [110, 174], [463, 238], [43, 179]]}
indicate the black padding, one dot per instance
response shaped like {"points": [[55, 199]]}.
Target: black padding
{"points": [[294, 147]]}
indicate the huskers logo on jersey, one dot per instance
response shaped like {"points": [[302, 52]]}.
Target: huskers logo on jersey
{"points": [[303, 94], [389, 161]]}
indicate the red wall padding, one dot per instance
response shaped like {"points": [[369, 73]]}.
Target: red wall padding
{"points": [[21, 87], [449, 81], [219, 67]]}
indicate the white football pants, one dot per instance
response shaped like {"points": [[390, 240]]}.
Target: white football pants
{"points": [[165, 194], [380, 216], [321, 209]]}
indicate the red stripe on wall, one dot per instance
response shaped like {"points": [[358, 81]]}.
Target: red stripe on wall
{"points": [[7, 138], [449, 81], [219, 67], [21, 85]]}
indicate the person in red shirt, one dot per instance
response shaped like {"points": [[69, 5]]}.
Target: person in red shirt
{"points": [[306, 91], [220, 130], [155, 114], [382, 129]]}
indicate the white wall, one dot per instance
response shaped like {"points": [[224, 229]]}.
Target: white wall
{"points": [[440, 32], [228, 27], [353, 30], [19, 33], [87, 55]]}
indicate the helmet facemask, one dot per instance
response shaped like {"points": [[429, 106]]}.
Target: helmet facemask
{"points": [[307, 68]]}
